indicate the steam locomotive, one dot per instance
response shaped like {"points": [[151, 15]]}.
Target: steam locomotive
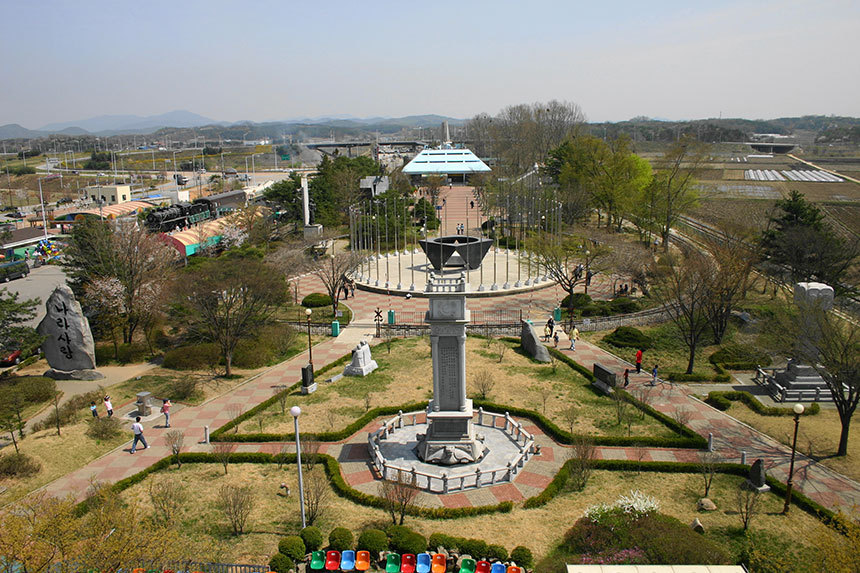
{"points": [[166, 219]]}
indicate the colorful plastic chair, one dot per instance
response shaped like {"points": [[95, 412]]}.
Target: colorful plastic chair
{"points": [[347, 560], [423, 563], [440, 563], [498, 568], [317, 560], [515, 569], [332, 560], [407, 563], [392, 563], [468, 566], [362, 561], [482, 567]]}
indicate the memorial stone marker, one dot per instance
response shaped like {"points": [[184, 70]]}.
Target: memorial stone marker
{"points": [[532, 344], [68, 344], [362, 362]]}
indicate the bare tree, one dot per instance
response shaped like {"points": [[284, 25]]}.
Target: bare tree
{"points": [[484, 383], [399, 495], [570, 415], [747, 504], [733, 260], [620, 406], [236, 502], [581, 461], [682, 415], [234, 410], [281, 456], [545, 393], [501, 348], [174, 440], [167, 497], [683, 288], [310, 453], [222, 452], [280, 392], [708, 468], [334, 271], [317, 492]]}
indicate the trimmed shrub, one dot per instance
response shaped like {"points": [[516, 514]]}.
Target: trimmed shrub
{"points": [[293, 547], [404, 540], [623, 305], [312, 536], [595, 309], [340, 539], [17, 465], [477, 548], [580, 299], [415, 543], [193, 357], [373, 540], [628, 337], [522, 556], [441, 540], [739, 357], [497, 553], [316, 300], [103, 428], [37, 389], [722, 401], [280, 563]]}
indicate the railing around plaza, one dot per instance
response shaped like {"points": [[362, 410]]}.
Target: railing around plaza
{"points": [[766, 378], [643, 317], [445, 482]]}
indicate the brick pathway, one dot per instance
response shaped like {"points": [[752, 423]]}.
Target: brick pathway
{"points": [[730, 436]]}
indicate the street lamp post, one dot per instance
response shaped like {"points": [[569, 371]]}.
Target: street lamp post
{"points": [[296, 412], [310, 351], [42, 204], [798, 411]]}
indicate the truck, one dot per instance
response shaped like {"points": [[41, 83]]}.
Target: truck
{"points": [[180, 178]]}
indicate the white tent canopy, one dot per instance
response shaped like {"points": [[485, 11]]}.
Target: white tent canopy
{"points": [[445, 162]]}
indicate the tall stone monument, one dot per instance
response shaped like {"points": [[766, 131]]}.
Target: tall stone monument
{"points": [[450, 437], [68, 344]]}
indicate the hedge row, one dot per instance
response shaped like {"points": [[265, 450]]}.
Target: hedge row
{"points": [[721, 376], [556, 486], [722, 401]]}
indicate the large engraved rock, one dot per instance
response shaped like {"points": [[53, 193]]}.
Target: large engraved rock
{"points": [[68, 345], [532, 344], [362, 362]]}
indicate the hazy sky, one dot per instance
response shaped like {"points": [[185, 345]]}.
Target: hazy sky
{"points": [[275, 60]]}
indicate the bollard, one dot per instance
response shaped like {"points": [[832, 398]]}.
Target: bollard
{"points": [[743, 458], [444, 483], [478, 477], [481, 416], [818, 394], [206, 435], [710, 442]]}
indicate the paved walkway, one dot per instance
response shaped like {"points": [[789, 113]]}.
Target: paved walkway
{"points": [[730, 436]]}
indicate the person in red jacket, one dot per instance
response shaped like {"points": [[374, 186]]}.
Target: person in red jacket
{"points": [[638, 361]]}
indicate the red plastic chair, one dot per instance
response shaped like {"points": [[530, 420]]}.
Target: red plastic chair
{"points": [[407, 563], [440, 564], [332, 560], [483, 567]]}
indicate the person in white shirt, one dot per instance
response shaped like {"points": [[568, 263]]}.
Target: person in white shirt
{"points": [[137, 428]]}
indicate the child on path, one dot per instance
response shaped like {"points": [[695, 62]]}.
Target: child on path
{"points": [[165, 409], [654, 376], [547, 333], [574, 336], [93, 410], [108, 407], [555, 340], [137, 428], [626, 377], [638, 361]]}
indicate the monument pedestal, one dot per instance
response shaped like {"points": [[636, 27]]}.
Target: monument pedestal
{"points": [[74, 374], [450, 438]]}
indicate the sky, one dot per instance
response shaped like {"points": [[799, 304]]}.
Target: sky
{"points": [[276, 60]]}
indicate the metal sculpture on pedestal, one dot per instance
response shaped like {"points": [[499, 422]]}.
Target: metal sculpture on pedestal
{"points": [[456, 251], [450, 437]]}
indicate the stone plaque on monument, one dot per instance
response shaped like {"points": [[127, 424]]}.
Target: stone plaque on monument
{"points": [[68, 344]]}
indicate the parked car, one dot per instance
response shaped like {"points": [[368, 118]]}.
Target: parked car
{"points": [[11, 358], [13, 270]]}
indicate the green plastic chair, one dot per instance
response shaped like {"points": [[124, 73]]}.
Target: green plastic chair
{"points": [[317, 560], [392, 563], [468, 566]]}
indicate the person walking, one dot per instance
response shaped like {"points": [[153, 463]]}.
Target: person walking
{"points": [[574, 336], [547, 333], [108, 407], [626, 377], [93, 410], [654, 375], [137, 428], [638, 361], [352, 288], [165, 409], [555, 340]]}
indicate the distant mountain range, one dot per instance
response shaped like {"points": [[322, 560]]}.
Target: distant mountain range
{"points": [[108, 125]]}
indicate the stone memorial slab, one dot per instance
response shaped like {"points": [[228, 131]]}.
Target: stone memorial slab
{"points": [[362, 362], [532, 344], [757, 477], [68, 344]]}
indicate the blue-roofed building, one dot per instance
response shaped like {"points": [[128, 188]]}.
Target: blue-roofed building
{"points": [[455, 164]]}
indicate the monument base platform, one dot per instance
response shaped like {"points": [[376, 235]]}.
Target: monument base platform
{"points": [[450, 439], [74, 374]]}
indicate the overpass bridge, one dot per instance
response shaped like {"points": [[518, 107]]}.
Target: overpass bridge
{"points": [[767, 146], [330, 148]]}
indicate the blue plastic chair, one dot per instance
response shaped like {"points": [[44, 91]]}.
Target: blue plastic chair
{"points": [[347, 560], [498, 568], [423, 565]]}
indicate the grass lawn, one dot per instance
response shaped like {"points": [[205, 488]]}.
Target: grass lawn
{"points": [[405, 375], [205, 529], [817, 435], [58, 455]]}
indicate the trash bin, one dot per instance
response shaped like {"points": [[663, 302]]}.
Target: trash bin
{"points": [[391, 317], [556, 314], [530, 321], [335, 327]]}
